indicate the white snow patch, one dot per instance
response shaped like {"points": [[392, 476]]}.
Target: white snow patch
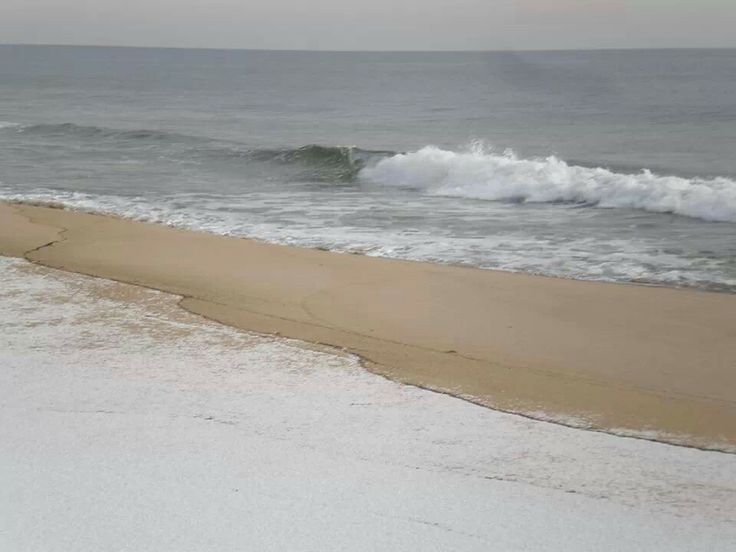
{"points": [[129, 424]]}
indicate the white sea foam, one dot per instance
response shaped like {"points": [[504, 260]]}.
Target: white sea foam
{"points": [[482, 174], [603, 258]]}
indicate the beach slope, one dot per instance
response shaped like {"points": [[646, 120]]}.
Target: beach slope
{"points": [[652, 362]]}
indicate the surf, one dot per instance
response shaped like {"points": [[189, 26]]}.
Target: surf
{"points": [[481, 174]]}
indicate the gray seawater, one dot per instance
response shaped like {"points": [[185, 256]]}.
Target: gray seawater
{"points": [[607, 165]]}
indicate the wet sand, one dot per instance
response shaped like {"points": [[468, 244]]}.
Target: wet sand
{"points": [[653, 362]]}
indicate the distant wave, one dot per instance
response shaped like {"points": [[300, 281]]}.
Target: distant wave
{"points": [[324, 163], [482, 174], [91, 131]]}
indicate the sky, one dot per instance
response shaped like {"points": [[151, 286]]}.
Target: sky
{"points": [[373, 24]]}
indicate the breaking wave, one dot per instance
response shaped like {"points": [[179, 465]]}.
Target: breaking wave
{"points": [[342, 163], [475, 173], [322, 163], [481, 174]]}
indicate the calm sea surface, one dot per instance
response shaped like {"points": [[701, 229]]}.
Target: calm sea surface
{"points": [[609, 165]]}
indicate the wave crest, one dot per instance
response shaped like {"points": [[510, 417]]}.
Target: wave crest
{"points": [[482, 174], [83, 131], [330, 163], [322, 163]]}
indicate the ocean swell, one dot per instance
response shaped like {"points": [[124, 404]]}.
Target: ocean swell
{"points": [[482, 174], [318, 162], [474, 173], [94, 132]]}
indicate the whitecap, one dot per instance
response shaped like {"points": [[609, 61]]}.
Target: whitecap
{"points": [[482, 174]]}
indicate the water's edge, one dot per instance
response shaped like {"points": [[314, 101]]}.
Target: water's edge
{"points": [[185, 303]]}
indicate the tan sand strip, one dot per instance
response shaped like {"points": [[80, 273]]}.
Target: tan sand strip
{"points": [[654, 362]]}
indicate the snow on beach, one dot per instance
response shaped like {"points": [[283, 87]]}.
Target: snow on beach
{"points": [[129, 424]]}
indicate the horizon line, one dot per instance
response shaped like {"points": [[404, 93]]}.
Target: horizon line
{"points": [[351, 51]]}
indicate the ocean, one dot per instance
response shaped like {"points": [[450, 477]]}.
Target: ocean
{"points": [[596, 165]]}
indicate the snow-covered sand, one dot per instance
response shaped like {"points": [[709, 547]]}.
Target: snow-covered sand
{"points": [[128, 424]]}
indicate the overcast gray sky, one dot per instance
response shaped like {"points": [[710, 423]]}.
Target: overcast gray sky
{"points": [[372, 24]]}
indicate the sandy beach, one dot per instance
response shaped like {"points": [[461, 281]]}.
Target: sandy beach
{"points": [[652, 362]]}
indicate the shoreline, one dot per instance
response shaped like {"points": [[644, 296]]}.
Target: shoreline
{"points": [[636, 360], [707, 287]]}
